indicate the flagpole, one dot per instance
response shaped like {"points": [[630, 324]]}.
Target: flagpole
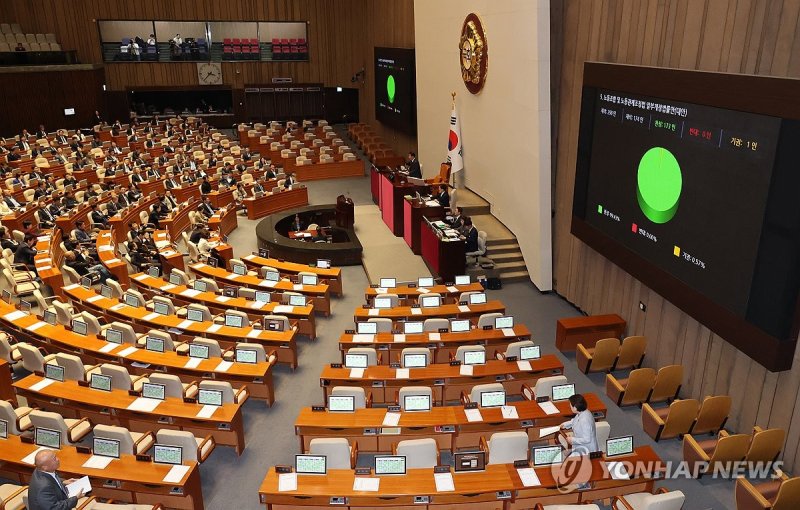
{"points": [[452, 174]]}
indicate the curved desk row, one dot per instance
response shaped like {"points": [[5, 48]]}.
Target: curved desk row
{"points": [[332, 277], [412, 313], [414, 293], [114, 408], [271, 203]]}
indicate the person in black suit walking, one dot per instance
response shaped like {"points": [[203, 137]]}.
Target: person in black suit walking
{"points": [[414, 170], [46, 490]]}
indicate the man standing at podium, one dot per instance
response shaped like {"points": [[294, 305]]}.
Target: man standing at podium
{"points": [[414, 170]]}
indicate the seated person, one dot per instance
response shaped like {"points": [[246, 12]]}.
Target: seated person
{"points": [[207, 250], [443, 197], [6, 241], [29, 228], [297, 224], [205, 186], [470, 236], [290, 179], [46, 218], [141, 257], [206, 209], [25, 253], [84, 264], [69, 201], [154, 216], [10, 201], [82, 236], [457, 221], [98, 217]]}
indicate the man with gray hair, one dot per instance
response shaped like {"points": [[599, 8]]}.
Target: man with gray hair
{"points": [[46, 491]]}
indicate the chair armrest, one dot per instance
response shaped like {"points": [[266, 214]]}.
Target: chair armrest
{"points": [[228, 355], [369, 399], [191, 384], [208, 438], [354, 455], [723, 433], [651, 422], [85, 504], [74, 425], [614, 389], [143, 437], [272, 357], [527, 392], [748, 497], [621, 499], [692, 453], [14, 495], [87, 369], [583, 358], [465, 398], [137, 378], [499, 355], [241, 395], [483, 445], [756, 429]]}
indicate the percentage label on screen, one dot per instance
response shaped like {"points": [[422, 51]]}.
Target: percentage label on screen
{"points": [[694, 260]]}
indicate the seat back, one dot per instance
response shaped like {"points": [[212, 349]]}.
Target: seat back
{"points": [[203, 308], [413, 390], [463, 349], [603, 431], [5, 348], [359, 394], [631, 352], [506, 447], [73, 366], [214, 350], [184, 439], [672, 500], [228, 395], [116, 288], [120, 378], [680, 418], [92, 324], [544, 386], [668, 383], [487, 319], [713, 414], [172, 384], [185, 280], [372, 354], [335, 449], [167, 302], [605, 354], [788, 497], [55, 421], [261, 353], [384, 324], [169, 344], [32, 359], [640, 382], [7, 413], [120, 434], [434, 324], [766, 445], [419, 453], [211, 285], [286, 324], [729, 449], [415, 350], [394, 299], [514, 348], [475, 393], [430, 294]]}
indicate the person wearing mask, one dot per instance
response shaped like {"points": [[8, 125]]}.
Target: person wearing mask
{"points": [[46, 490]]}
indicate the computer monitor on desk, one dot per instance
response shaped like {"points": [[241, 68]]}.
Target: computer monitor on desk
{"points": [[413, 327], [310, 464], [469, 461], [493, 398], [390, 464], [415, 403], [388, 283], [463, 279], [341, 403], [546, 455], [562, 391], [459, 325], [47, 438], [105, 447], [415, 360], [367, 328], [355, 360], [617, 446], [382, 303], [165, 454], [426, 281]]}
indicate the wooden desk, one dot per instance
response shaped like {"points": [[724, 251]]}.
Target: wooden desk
{"points": [[142, 320], [179, 221], [183, 295], [442, 345], [224, 223], [473, 491], [111, 408], [332, 277], [420, 314], [333, 170], [6, 391], [413, 213], [48, 263], [366, 425], [445, 380], [413, 294], [275, 202], [572, 331], [124, 479], [444, 258], [119, 222], [319, 293], [391, 201], [106, 252]]}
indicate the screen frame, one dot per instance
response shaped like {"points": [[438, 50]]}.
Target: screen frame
{"points": [[255, 356], [533, 455], [406, 355], [552, 391], [103, 377], [199, 346], [349, 398], [115, 441], [158, 446], [206, 391], [163, 390], [356, 356], [36, 437], [323, 457], [405, 464], [629, 437], [492, 392], [405, 406]]}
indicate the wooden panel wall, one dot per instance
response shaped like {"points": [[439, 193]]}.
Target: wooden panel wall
{"points": [[737, 36], [30, 99]]}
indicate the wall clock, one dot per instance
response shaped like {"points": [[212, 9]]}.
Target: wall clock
{"points": [[209, 73]]}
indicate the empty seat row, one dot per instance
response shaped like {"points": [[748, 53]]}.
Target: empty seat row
{"points": [[610, 354], [705, 455], [686, 417], [9, 47], [645, 385], [29, 38]]}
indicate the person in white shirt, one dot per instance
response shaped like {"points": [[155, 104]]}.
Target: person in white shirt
{"points": [[133, 49], [177, 39], [151, 41]]}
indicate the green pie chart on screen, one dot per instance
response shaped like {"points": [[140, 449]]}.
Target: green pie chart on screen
{"points": [[659, 185], [390, 88]]}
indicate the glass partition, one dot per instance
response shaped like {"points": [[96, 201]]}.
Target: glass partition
{"points": [[235, 40], [182, 40], [286, 39], [127, 40]]}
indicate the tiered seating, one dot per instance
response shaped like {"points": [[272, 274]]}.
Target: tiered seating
{"points": [[11, 36], [379, 153], [241, 49], [289, 49]]}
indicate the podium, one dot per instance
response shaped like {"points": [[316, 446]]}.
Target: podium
{"points": [[413, 213], [445, 258], [345, 212]]}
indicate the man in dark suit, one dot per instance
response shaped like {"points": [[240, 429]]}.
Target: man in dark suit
{"points": [[46, 219], [289, 181], [443, 197], [170, 183], [206, 209], [98, 216], [14, 155], [471, 236], [46, 491], [412, 165], [205, 187]]}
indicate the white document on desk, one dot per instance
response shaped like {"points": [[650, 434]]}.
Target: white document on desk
{"points": [[142, 276], [214, 328], [509, 412], [366, 484], [444, 482], [617, 471], [422, 290], [546, 431], [81, 485], [193, 362], [297, 286], [127, 352], [117, 307], [401, 373], [508, 331], [356, 373], [548, 407], [434, 337], [223, 366], [206, 411], [112, 261], [463, 308], [391, 419], [108, 347], [283, 309], [105, 248], [92, 299], [257, 305], [168, 286], [44, 383], [452, 290], [287, 482], [30, 459], [399, 338], [190, 293], [151, 316], [97, 462], [266, 283], [381, 290], [373, 312], [524, 366], [360, 338], [416, 311], [465, 370], [176, 474], [253, 333], [184, 324], [473, 415], [35, 326], [222, 299], [144, 404], [528, 477], [16, 314]]}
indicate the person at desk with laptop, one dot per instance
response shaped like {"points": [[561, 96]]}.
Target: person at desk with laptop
{"points": [[413, 166]]}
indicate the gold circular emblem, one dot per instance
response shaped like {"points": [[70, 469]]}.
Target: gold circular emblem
{"points": [[473, 53]]}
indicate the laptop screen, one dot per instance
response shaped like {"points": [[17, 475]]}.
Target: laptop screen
{"points": [[463, 279], [246, 356], [459, 325], [100, 382], [390, 464], [209, 397], [342, 403], [417, 402], [366, 328], [415, 360], [155, 344], [356, 360], [563, 391], [425, 282], [546, 455], [476, 357], [493, 398], [310, 464], [503, 322]]}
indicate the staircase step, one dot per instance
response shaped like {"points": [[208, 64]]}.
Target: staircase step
{"points": [[515, 276], [509, 266], [509, 256], [475, 210]]}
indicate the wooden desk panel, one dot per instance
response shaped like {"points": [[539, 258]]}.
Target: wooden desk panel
{"points": [[272, 203], [442, 345], [331, 277], [134, 481], [413, 213], [106, 252], [408, 313], [226, 223], [6, 391], [48, 263], [414, 293], [111, 408], [334, 170], [119, 222], [572, 331]]}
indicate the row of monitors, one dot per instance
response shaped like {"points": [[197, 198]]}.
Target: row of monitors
{"points": [[420, 360], [103, 447], [416, 403], [320, 264], [478, 298], [416, 327], [162, 308], [423, 282], [149, 390], [463, 461]]}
